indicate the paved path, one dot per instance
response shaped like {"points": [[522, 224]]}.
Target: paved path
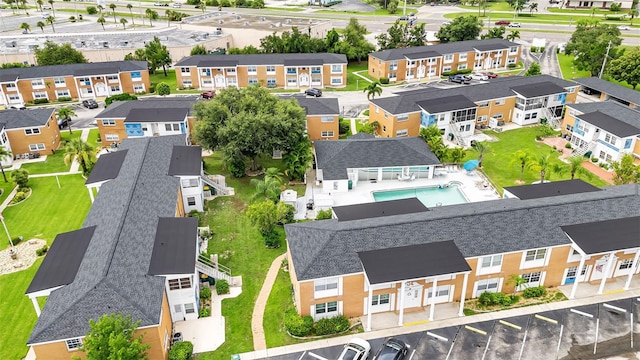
{"points": [[354, 128], [259, 342]]}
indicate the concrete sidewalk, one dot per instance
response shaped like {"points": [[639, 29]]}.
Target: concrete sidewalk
{"points": [[257, 326]]}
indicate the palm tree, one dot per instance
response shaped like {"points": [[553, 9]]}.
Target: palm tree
{"points": [[129, 6], [124, 22], [574, 168], [541, 164], [373, 89], [26, 27], [521, 158], [40, 3], [3, 154], [152, 15], [24, 5], [169, 15], [516, 280], [50, 20], [66, 113], [513, 35], [533, 7], [113, 10], [633, 13], [297, 160], [80, 151], [269, 187], [101, 21], [41, 25], [100, 8], [52, 8], [203, 6], [481, 148], [457, 154]]}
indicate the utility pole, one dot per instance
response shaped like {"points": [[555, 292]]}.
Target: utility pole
{"points": [[604, 62]]}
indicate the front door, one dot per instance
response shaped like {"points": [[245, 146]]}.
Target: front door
{"points": [[178, 315], [412, 295], [101, 89]]}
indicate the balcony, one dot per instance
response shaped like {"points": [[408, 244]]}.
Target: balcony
{"points": [[291, 71]]}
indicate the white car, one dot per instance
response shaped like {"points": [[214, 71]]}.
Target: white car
{"points": [[478, 76], [177, 5], [623, 27], [45, 15], [515, 25], [46, 7], [355, 349]]}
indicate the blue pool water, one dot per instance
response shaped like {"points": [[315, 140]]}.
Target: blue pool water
{"points": [[429, 196]]}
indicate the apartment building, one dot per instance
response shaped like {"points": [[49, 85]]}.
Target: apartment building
{"points": [[135, 254], [604, 130], [323, 117], [363, 265], [607, 90], [427, 62], [458, 110], [287, 71], [19, 86], [25, 132], [147, 117]]}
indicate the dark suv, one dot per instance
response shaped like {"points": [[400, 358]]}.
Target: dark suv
{"points": [[90, 104], [392, 349], [313, 92]]}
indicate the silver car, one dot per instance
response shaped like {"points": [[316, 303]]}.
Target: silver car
{"points": [[355, 349]]}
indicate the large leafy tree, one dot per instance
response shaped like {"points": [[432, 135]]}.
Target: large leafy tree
{"points": [[461, 28], [626, 67], [80, 151], [626, 172], [293, 41], [249, 122], [157, 55], [298, 159], [353, 44], [54, 54], [495, 33], [401, 35], [589, 45], [112, 338], [533, 70], [199, 50]]}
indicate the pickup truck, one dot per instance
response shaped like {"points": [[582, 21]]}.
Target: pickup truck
{"points": [[460, 79]]}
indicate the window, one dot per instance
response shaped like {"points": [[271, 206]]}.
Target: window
{"points": [[513, 49], [177, 308], [610, 139], [325, 308], [84, 81], [253, 81], [62, 93], [138, 88], [14, 97], [74, 344], [401, 133], [4, 137], [271, 68], [625, 264], [448, 58], [531, 278], [533, 255], [182, 283], [336, 80], [571, 274], [483, 104], [482, 118], [379, 299], [191, 201], [40, 95], [491, 261], [440, 291], [316, 70], [36, 147], [291, 81], [172, 127], [37, 83], [511, 61], [326, 287], [462, 57], [185, 70], [108, 122], [499, 102], [327, 133], [189, 183], [111, 137], [403, 117], [336, 69], [112, 78], [488, 285], [271, 82], [115, 88], [252, 69], [462, 67], [189, 308], [326, 118], [393, 65], [291, 70], [32, 131], [59, 81], [446, 69]]}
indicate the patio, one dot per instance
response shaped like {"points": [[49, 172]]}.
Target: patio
{"points": [[389, 319]]}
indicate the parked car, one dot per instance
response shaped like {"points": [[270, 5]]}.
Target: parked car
{"points": [[479, 76], [355, 349], [62, 123], [45, 15], [157, 3], [46, 7], [177, 5], [554, 1], [209, 94], [503, 22], [623, 27], [515, 25], [392, 349], [490, 75], [460, 79], [404, 18], [90, 104], [313, 92]]}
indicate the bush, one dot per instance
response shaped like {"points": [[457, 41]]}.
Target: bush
{"points": [[236, 168], [194, 213], [534, 49], [91, 10], [344, 126], [182, 350], [119, 97], [19, 197], [594, 159], [205, 293], [43, 250], [497, 298], [567, 146], [297, 325], [206, 312], [222, 287], [152, 89], [324, 214], [64, 98], [271, 239], [465, 71], [534, 292], [16, 240], [512, 66], [384, 80], [332, 325], [40, 101]]}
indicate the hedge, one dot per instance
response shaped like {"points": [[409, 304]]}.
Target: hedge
{"points": [[457, 72], [384, 80], [182, 350], [496, 298], [222, 287], [534, 292], [297, 325], [332, 325]]}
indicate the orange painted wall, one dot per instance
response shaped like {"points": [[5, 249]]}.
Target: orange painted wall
{"points": [[49, 136]]}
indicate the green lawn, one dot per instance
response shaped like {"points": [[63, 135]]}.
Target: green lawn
{"points": [[55, 163], [493, 6], [279, 301], [498, 163], [354, 82], [171, 80], [569, 70], [526, 17], [94, 136]]}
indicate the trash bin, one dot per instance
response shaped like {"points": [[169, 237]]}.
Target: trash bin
{"points": [[350, 184], [235, 357]]}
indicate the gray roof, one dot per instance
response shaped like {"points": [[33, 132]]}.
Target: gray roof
{"points": [[377, 209], [610, 116], [157, 114], [424, 54], [450, 103], [362, 136], [610, 88], [174, 249], [620, 234], [8, 77], [99, 68], [113, 277], [329, 248], [17, 119], [107, 168], [186, 160], [443, 49], [554, 188], [538, 89], [334, 157], [318, 106], [261, 59], [121, 109]]}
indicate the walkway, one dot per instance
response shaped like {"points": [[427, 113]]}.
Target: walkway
{"points": [[259, 342]]}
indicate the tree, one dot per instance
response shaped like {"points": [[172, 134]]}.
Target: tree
{"points": [[519, 5], [113, 11], [461, 28], [157, 55], [66, 112], [53, 54], [40, 3], [3, 154], [431, 135], [80, 151], [41, 25], [513, 35], [373, 89], [392, 8], [50, 20], [152, 15], [53, 9], [521, 158], [625, 171], [20, 177], [25, 26], [589, 44], [533, 7], [203, 6], [124, 22], [163, 89], [481, 148], [353, 44], [100, 9], [516, 280], [199, 50], [112, 338], [263, 215], [457, 154], [615, 7], [533, 70], [633, 13], [269, 187], [401, 35], [101, 20], [574, 168], [495, 33], [297, 160], [130, 7], [249, 122], [626, 67], [540, 164], [138, 55]]}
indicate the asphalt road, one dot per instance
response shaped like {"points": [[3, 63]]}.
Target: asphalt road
{"points": [[598, 331]]}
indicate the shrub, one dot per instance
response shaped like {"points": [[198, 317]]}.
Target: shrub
{"points": [[541, 49], [332, 325], [64, 98], [182, 350], [534, 292], [594, 159], [324, 214], [384, 80], [206, 312], [152, 89], [205, 293], [534, 49], [297, 325], [19, 197], [567, 146], [464, 71], [222, 287], [43, 250], [344, 126], [119, 97], [512, 66], [497, 298], [91, 10], [16, 240], [194, 213], [41, 101], [271, 239], [236, 168]]}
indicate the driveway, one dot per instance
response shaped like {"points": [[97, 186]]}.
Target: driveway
{"points": [[353, 5]]}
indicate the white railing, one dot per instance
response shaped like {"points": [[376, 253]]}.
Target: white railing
{"points": [[218, 183], [214, 270], [552, 120], [457, 137], [584, 149]]}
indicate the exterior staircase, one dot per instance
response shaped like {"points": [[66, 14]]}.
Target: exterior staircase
{"points": [[458, 139], [213, 269], [585, 149], [217, 182], [552, 120]]}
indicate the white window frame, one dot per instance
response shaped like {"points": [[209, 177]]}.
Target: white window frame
{"points": [[486, 284], [327, 118], [37, 84], [327, 287], [40, 95], [108, 122], [63, 93], [36, 147], [489, 264], [402, 133], [189, 308], [403, 117], [179, 283], [448, 58], [532, 279], [191, 201], [336, 80], [252, 69], [462, 57], [59, 81], [185, 70], [325, 313], [74, 344], [537, 258], [271, 69], [138, 88], [32, 131], [462, 67], [381, 299], [111, 137], [336, 69]]}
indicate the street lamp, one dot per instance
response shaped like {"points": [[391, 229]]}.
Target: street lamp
{"points": [[13, 249]]}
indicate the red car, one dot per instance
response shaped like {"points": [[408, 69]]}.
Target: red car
{"points": [[503, 22], [208, 94], [490, 75]]}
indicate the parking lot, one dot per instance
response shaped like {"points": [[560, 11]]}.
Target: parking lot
{"points": [[587, 332]]}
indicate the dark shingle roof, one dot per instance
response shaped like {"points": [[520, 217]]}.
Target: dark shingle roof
{"points": [[406, 101], [610, 116], [157, 115], [425, 54], [7, 77], [318, 106], [442, 49], [16, 119], [620, 234], [260, 59], [538, 89], [450, 103], [121, 109], [610, 88], [186, 160], [555, 188], [107, 168], [334, 157], [360, 136], [112, 276], [99, 68], [174, 248], [329, 248], [378, 209]]}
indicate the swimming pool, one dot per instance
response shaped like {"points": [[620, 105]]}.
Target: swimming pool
{"points": [[429, 196]]}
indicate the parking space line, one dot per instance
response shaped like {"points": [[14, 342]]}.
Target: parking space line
{"points": [[615, 308], [506, 323], [412, 353], [581, 313], [437, 336], [546, 319], [416, 323], [302, 356], [471, 328], [559, 340], [524, 339], [317, 356], [595, 342]]}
